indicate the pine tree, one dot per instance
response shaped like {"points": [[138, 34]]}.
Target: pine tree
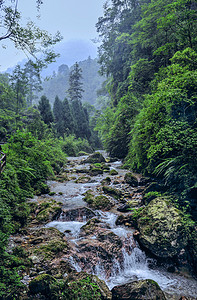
{"points": [[45, 110], [75, 85], [68, 122], [58, 116]]}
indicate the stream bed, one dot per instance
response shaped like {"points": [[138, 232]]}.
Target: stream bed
{"points": [[102, 247]]}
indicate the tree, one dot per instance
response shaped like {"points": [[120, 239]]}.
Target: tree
{"points": [[19, 83], [81, 122], [45, 110], [58, 116], [29, 38], [68, 122], [75, 85], [34, 81]]}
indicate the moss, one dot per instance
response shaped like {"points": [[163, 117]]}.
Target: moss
{"points": [[42, 284], [111, 191], [101, 202], [89, 197], [98, 202], [96, 157], [113, 172], [48, 210], [52, 248]]}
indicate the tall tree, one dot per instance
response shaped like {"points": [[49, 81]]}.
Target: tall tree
{"points": [[45, 110], [19, 83], [58, 116], [34, 81], [68, 121], [75, 85]]}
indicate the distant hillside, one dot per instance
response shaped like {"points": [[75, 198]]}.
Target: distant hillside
{"points": [[58, 82]]}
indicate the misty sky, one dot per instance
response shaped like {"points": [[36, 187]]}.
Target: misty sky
{"points": [[75, 19]]}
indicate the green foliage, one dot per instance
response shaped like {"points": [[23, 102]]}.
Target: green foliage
{"points": [[75, 85], [72, 146], [164, 135], [45, 110], [29, 163]]}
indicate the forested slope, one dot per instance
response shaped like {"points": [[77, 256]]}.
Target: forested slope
{"points": [[148, 52], [58, 84]]}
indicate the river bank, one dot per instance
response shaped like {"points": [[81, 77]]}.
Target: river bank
{"points": [[84, 224]]}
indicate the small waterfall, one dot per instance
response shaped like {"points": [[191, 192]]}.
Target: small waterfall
{"points": [[72, 227]]}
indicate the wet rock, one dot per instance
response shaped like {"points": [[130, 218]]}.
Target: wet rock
{"points": [[91, 225], [81, 170], [96, 157], [52, 243], [87, 287], [106, 181], [77, 214], [94, 171], [162, 228], [97, 202], [62, 177], [141, 290], [82, 153], [47, 210], [131, 179], [123, 208], [83, 179], [117, 194], [113, 172]]}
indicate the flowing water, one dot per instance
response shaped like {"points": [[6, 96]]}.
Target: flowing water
{"points": [[133, 263]]}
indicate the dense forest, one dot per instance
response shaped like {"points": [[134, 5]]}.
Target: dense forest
{"points": [[149, 53], [146, 114]]}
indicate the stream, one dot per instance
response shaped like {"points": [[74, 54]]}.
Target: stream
{"points": [[122, 260]]}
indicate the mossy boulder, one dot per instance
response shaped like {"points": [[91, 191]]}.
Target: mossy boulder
{"points": [[101, 202], [47, 243], [113, 172], [96, 157], [48, 210], [42, 284], [163, 230], [106, 181], [131, 179], [83, 179], [86, 287], [94, 171], [97, 202], [138, 290], [117, 194], [91, 226]]}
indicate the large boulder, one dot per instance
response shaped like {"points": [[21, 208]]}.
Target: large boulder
{"points": [[42, 284], [86, 287], [96, 157], [163, 230], [141, 290]]}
